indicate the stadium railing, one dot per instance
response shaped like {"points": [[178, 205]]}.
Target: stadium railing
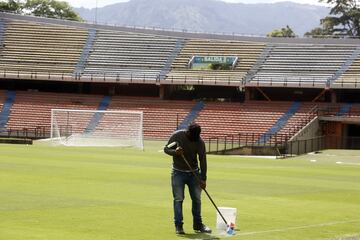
{"points": [[118, 77], [333, 111], [303, 121], [39, 132], [316, 144], [216, 145]]}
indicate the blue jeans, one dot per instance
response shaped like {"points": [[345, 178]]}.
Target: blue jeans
{"points": [[178, 181]]}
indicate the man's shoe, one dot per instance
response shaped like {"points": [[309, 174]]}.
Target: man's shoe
{"points": [[202, 228], [179, 229]]}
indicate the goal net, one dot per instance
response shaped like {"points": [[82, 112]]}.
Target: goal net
{"points": [[97, 128]]}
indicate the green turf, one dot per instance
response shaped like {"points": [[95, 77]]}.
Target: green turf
{"points": [[109, 193]]}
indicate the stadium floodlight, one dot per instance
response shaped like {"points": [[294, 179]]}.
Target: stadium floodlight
{"points": [[71, 127]]}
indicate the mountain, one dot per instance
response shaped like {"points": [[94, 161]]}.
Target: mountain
{"points": [[209, 15]]}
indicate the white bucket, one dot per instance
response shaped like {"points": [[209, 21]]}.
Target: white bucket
{"points": [[229, 214]]}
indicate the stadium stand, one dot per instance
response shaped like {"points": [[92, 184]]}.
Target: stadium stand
{"points": [[306, 112], [301, 64], [125, 55], [161, 117], [2, 98], [5, 110], [32, 110], [279, 124], [222, 119], [80, 66], [247, 52], [350, 77], [2, 31], [141, 69], [193, 114], [4, 115], [34, 48]]}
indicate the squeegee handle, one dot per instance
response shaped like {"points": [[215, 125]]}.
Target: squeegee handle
{"points": [[199, 181], [212, 201]]}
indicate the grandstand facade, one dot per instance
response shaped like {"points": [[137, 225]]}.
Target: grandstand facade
{"points": [[253, 91]]}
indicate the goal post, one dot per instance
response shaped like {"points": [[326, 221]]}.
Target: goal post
{"points": [[72, 127]]}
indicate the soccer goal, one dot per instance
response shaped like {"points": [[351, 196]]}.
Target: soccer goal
{"points": [[97, 128]]}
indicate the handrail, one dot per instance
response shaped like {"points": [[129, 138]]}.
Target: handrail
{"points": [[299, 124], [128, 77]]}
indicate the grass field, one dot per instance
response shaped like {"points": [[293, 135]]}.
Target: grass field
{"points": [[110, 193]]}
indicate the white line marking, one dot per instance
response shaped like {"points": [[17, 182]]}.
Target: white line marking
{"points": [[298, 227], [353, 164], [349, 163]]}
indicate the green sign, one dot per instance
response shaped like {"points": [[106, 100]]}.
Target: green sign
{"points": [[213, 59], [205, 62]]}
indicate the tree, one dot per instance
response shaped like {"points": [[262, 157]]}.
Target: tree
{"points": [[344, 19], [318, 33], [52, 9], [41, 8], [220, 66], [11, 6], [283, 32]]}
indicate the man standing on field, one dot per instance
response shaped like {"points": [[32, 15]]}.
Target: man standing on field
{"points": [[190, 145]]}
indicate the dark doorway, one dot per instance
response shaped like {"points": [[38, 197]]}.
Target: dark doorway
{"points": [[353, 136]]}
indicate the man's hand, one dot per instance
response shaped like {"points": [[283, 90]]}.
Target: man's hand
{"points": [[203, 184], [179, 151]]}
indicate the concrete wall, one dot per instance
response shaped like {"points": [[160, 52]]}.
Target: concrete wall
{"points": [[311, 130]]}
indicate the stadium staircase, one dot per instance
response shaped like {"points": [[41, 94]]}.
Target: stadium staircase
{"points": [[306, 113], [180, 43], [2, 32], [5, 112], [96, 118], [192, 115], [345, 66], [259, 62], [80, 66], [302, 64], [281, 122]]}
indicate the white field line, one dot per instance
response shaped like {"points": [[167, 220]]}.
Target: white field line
{"points": [[348, 163], [298, 227]]}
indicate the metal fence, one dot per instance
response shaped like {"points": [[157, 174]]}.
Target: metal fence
{"points": [[236, 141], [299, 147], [28, 133], [280, 144]]}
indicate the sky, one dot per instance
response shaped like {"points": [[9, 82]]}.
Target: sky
{"points": [[101, 3]]}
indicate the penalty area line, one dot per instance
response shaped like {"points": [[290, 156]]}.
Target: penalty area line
{"points": [[298, 227]]}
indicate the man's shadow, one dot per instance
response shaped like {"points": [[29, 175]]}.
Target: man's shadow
{"points": [[202, 236]]}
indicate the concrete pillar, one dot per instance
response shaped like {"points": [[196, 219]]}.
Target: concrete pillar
{"points": [[248, 94], [162, 91], [111, 90], [333, 96]]}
